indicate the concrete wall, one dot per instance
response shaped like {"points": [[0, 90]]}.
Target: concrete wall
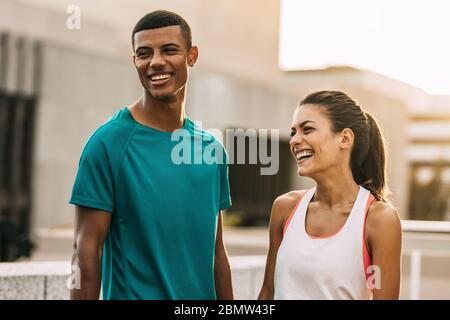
{"points": [[235, 37], [31, 19]]}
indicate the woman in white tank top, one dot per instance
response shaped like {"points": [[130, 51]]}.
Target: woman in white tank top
{"points": [[340, 239]]}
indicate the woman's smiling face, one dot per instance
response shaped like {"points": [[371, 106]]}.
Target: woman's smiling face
{"points": [[314, 145]]}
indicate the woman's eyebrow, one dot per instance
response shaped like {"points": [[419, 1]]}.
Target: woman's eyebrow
{"points": [[305, 122]]}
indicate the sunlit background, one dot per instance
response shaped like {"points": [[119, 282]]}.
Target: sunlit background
{"points": [[405, 40], [257, 60]]}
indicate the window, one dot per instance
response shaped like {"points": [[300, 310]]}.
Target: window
{"points": [[17, 115], [253, 193]]}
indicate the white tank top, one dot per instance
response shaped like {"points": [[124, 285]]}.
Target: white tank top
{"points": [[333, 267]]}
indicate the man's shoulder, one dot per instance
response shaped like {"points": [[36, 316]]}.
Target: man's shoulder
{"points": [[116, 125], [111, 135]]}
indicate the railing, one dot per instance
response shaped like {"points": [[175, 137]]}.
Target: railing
{"points": [[420, 236]]}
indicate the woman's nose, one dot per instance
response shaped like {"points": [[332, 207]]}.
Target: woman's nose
{"points": [[295, 140]]}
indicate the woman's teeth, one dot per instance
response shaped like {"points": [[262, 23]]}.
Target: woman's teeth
{"points": [[304, 154]]}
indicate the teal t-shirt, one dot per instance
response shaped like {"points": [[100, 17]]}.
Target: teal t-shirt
{"points": [[164, 191]]}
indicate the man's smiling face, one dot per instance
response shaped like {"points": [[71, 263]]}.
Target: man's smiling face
{"points": [[162, 59]]}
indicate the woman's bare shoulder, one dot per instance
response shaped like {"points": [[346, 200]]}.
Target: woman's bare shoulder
{"points": [[284, 204], [382, 219], [382, 213]]}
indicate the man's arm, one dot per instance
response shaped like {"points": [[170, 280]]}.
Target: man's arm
{"points": [[91, 228], [222, 271], [384, 237]]}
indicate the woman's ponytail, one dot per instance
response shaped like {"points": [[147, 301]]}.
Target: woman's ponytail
{"points": [[371, 174]]}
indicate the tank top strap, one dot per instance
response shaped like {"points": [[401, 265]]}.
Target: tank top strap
{"points": [[357, 215], [305, 197]]}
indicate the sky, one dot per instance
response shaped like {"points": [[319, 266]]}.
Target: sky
{"points": [[405, 40]]}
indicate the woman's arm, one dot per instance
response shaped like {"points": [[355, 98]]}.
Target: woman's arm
{"points": [[281, 209], [384, 239]]}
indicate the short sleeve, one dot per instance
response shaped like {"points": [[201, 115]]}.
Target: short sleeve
{"points": [[225, 197], [93, 185]]}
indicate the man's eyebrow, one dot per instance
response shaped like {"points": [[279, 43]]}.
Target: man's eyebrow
{"points": [[163, 46], [170, 45], [142, 48]]}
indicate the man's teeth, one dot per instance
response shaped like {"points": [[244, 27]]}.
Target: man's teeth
{"points": [[304, 154], [160, 77]]}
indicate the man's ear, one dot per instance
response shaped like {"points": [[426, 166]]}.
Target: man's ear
{"points": [[192, 55], [347, 137]]}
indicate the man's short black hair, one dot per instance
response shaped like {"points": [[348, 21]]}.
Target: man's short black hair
{"points": [[160, 19]]}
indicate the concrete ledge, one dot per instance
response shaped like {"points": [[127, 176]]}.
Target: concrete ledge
{"points": [[34, 280], [48, 280]]}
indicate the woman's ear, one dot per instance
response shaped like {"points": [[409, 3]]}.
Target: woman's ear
{"points": [[347, 138]]}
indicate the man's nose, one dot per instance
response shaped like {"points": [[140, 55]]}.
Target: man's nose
{"points": [[157, 60]]}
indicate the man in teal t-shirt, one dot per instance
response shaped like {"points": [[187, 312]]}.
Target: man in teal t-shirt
{"points": [[151, 185]]}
